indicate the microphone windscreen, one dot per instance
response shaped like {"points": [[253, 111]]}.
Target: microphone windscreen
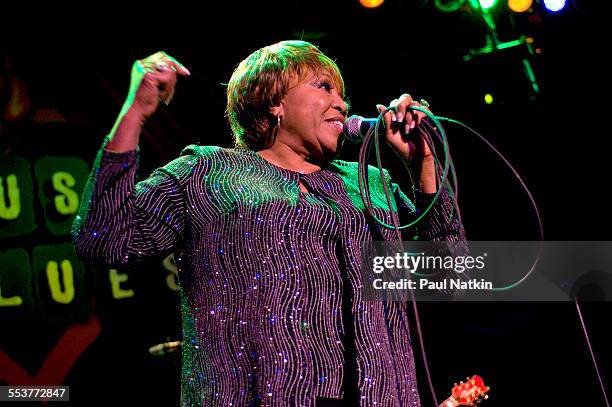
{"points": [[352, 129]]}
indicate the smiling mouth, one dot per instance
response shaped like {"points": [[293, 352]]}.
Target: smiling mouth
{"points": [[337, 124]]}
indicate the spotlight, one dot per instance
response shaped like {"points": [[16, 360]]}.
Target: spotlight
{"points": [[371, 3], [554, 5], [520, 6], [487, 4]]}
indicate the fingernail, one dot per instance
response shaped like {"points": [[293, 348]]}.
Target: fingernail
{"points": [[413, 124], [400, 117], [407, 129]]}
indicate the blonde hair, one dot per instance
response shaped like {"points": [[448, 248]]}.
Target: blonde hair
{"points": [[261, 81]]}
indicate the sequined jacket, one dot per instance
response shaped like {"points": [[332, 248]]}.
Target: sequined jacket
{"points": [[264, 272]]}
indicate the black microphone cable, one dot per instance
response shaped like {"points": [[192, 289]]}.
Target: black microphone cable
{"points": [[373, 134], [541, 232], [443, 180]]}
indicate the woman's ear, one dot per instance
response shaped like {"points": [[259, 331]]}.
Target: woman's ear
{"points": [[277, 110]]}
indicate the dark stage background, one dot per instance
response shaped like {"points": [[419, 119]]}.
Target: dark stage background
{"points": [[75, 72]]}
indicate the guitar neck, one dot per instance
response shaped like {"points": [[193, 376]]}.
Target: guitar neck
{"points": [[449, 402]]}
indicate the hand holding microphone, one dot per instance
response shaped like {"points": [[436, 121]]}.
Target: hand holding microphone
{"points": [[410, 146], [356, 127]]}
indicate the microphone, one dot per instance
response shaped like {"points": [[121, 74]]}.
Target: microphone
{"points": [[356, 127]]}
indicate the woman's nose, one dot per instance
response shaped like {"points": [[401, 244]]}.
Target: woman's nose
{"points": [[340, 105]]}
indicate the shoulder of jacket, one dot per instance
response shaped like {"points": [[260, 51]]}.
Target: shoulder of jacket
{"points": [[353, 166], [201, 151]]}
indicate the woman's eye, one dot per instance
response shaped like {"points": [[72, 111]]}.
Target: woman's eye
{"points": [[325, 85]]}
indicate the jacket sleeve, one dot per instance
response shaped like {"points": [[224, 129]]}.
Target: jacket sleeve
{"points": [[439, 224], [121, 222]]}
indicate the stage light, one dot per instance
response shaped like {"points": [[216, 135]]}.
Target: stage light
{"points": [[488, 99], [371, 3], [520, 6], [554, 5], [487, 4]]}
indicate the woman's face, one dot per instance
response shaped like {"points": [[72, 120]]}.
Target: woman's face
{"points": [[313, 114]]}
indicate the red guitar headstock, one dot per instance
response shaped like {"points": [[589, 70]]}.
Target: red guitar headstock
{"points": [[469, 393]]}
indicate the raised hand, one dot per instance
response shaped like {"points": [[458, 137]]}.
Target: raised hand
{"points": [[153, 81]]}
